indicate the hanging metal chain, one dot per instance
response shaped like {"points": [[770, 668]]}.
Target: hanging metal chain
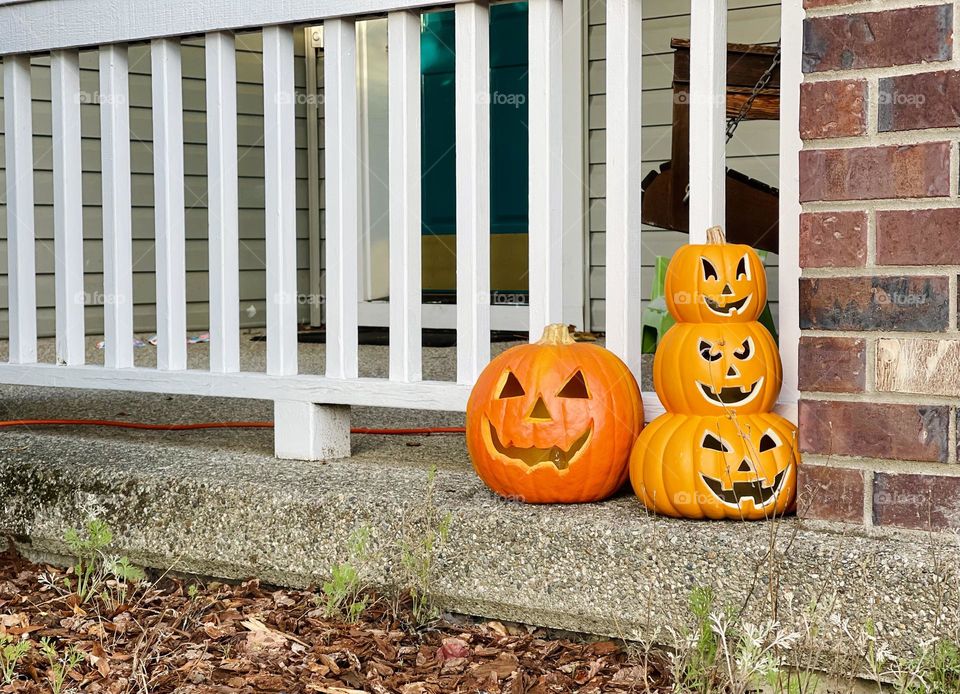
{"points": [[761, 84]]}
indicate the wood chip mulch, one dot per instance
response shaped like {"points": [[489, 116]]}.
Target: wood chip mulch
{"points": [[251, 638]]}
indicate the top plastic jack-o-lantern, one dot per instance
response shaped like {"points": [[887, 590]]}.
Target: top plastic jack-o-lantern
{"points": [[554, 421], [716, 282]]}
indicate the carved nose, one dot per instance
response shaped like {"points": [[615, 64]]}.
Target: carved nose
{"points": [[732, 372], [727, 290], [540, 413], [745, 466]]}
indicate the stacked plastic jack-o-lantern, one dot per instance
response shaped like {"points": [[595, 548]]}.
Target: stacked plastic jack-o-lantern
{"points": [[719, 451]]}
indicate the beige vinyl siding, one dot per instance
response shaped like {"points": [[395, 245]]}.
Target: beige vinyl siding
{"points": [[251, 187], [753, 151]]}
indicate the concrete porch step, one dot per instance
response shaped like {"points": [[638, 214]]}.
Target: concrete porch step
{"points": [[218, 504]]}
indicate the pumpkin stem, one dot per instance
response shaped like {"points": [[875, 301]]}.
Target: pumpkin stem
{"points": [[716, 235], [556, 334]]}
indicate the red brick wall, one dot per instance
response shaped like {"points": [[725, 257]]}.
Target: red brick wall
{"points": [[880, 252]]}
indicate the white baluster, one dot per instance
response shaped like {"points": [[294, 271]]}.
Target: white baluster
{"points": [[21, 264], [546, 229], [708, 110], [473, 189], [117, 210], [223, 204], [67, 206], [169, 205], [405, 234], [342, 184], [624, 174]]}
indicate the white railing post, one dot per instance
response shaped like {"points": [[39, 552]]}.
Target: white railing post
{"points": [[117, 209], [791, 75], [342, 203], [405, 234], [708, 109], [222, 202], [473, 188], [68, 207], [624, 174], [546, 224], [169, 205], [279, 151], [21, 263]]}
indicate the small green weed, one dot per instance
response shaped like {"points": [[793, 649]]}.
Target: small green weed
{"points": [[11, 653], [342, 593], [61, 664], [425, 533], [95, 572]]}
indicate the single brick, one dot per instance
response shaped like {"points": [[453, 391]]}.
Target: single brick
{"points": [[869, 173], [918, 237], [833, 239], [914, 102], [919, 502], [874, 430], [830, 493], [833, 109], [878, 39], [913, 303], [832, 364]]}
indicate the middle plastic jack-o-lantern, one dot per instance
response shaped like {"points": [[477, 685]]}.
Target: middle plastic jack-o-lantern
{"points": [[739, 467], [713, 368], [554, 421]]}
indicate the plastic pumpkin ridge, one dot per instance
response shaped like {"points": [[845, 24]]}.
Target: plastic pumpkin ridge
{"points": [[554, 421]]}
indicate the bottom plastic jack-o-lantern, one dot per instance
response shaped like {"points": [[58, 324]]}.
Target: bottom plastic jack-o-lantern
{"points": [[554, 421], [728, 466]]}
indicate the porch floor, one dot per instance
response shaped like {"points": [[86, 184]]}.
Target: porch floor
{"points": [[217, 503]]}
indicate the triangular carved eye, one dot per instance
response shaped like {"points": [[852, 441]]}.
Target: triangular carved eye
{"points": [[576, 387], [712, 443], [706, 351], [768, 442], [709, 271], [511, 387]]}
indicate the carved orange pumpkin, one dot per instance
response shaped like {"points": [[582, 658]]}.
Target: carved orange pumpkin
{"points": [[713, 368], [554, 421], [738, 467], [716, 282]]}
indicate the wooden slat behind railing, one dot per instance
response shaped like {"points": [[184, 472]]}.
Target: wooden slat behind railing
{"points": [[117, 210], [67, 206], [342, 184], [708, 103], [624, 174], [473, 188], [168, 204], [223, 204], [545, 129], [280, 180], [405, 235], [21, 262]]}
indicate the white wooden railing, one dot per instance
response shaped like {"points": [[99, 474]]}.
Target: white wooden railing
{"points": [[312, 411]]}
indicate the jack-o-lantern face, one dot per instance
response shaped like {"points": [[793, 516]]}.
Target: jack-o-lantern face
{"points": [[716, 282], [710, 368], [740, 467], [554, 422]]}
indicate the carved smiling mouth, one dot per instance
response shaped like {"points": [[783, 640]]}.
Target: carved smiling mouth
{"points": [[728, 309], [755, 491], [733, 395], [532, 455]]}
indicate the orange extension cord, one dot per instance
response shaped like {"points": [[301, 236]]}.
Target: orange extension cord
{"points": [[424, 431]]}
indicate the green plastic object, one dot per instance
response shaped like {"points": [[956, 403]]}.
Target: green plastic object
{"points": [[657, 320]]}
